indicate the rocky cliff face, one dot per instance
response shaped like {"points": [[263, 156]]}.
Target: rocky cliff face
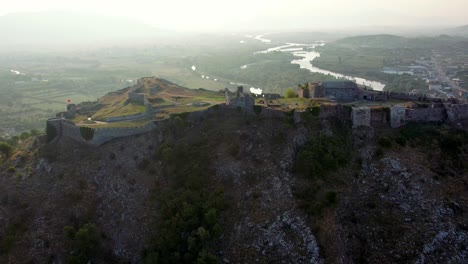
{"points": [[393, 198]]}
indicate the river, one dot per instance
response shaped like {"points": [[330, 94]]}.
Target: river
{"points": [[307, 54]]}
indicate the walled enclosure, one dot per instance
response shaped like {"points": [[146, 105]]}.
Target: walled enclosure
{"points": [[394, 116]]}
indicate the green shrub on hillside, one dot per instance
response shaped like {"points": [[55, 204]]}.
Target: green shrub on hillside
{"points": [[24, 135], [189, 208], [385, 142], [315, 111], [84, 243], [323, 155], [289, 93], [11, 233], [178, 122], [6, 149]]}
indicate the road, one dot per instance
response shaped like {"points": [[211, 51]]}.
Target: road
{"points": [[442, 77]]}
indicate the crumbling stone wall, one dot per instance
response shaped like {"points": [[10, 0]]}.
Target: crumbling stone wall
{"points": [[242, 99], [303, 93], [102, 135], [397, 116], [72, 131], [380, 116], [126, 117], [66, 128], [346, 94], [457, 112], [327, 111], [338, 111], [361, 116], [426, 114]]}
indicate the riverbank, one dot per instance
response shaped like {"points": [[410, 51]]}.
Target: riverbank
{"points": [[308, 53]]}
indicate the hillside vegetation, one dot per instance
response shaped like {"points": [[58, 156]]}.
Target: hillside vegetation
{"points": [[241, 187]]}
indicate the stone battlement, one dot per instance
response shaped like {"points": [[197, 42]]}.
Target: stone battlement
{"points": [[392, 117]]}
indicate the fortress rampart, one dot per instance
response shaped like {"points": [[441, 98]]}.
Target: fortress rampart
{"points": [[65, 128], [394, 116]]}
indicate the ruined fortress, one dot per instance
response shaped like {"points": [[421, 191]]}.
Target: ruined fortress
{"points": [[89, 107], [422, 109], [347, 91]]}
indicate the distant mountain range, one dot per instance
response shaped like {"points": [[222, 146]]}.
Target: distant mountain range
{"points": [[381, 40], [438, 40], [460, 31], [68, 28]]}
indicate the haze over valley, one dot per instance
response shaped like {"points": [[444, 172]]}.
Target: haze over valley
{"points": [[248, 131]]}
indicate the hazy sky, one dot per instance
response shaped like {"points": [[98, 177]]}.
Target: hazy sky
{"points": [[208, 15]]}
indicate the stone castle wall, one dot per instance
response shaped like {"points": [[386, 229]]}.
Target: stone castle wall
{"points": [[67, 129], [379, 117], [327, 111], [404, 96], [361, 116], [127, 117], [395, 116], [346, 94], [425, 114], [72, 131], [457, 112], [102, 135]]}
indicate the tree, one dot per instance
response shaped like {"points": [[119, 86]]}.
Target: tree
{"points": [[84, 243], [24, 135], [35, 132], [290, 93], [6, 149]]}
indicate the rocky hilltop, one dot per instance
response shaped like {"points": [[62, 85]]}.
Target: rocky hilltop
{"points": [[232, 185]]}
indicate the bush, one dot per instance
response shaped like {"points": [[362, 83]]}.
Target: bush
{"points": [[179, 123], [290, 93], [84, 243], [15, 228], [323, 155], [11, 169], [385, 142], [419, 134], [315, 111], [35, 132], [189, 208], [451, 145], [6, 149], [24, 135], [401, 141]]}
